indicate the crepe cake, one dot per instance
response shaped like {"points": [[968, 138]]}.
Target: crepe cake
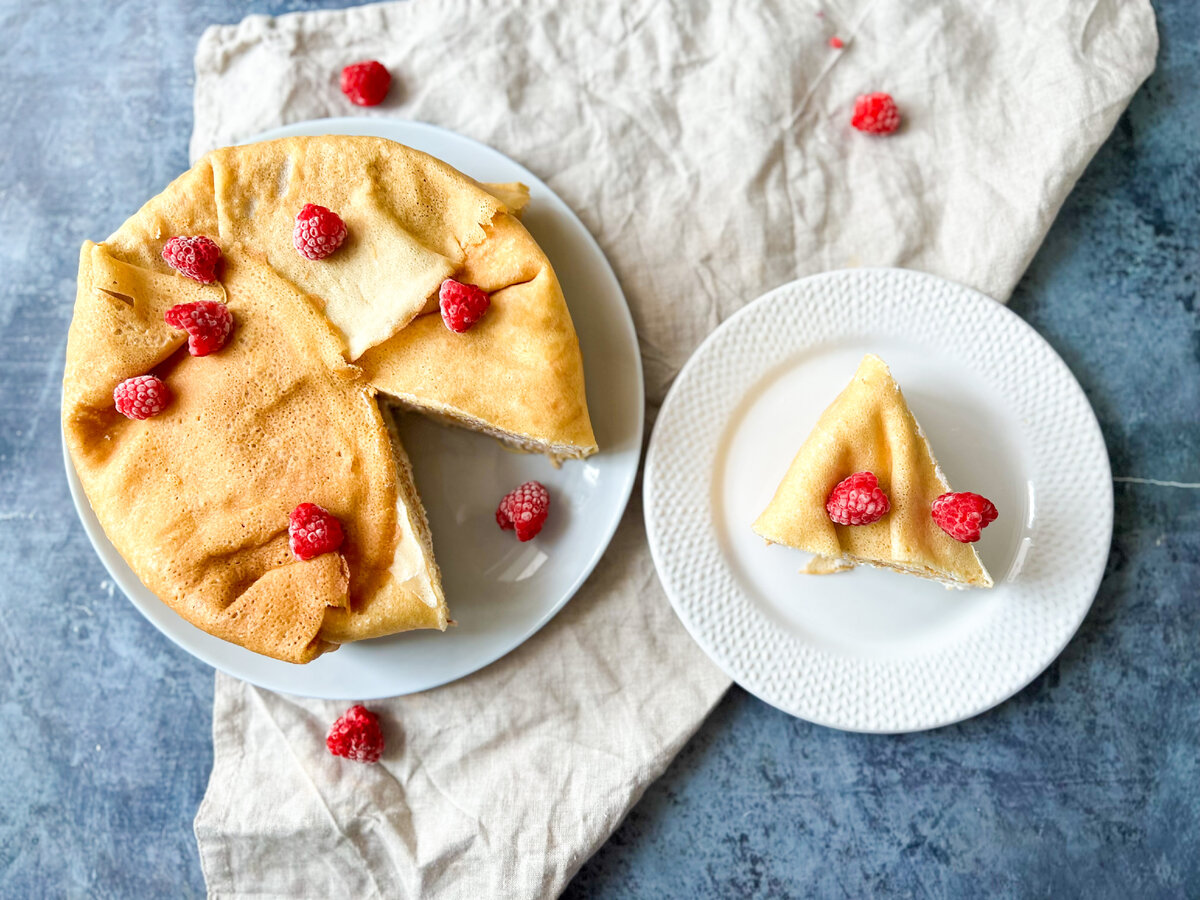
{"points": [[869, 428], [197, 498]]}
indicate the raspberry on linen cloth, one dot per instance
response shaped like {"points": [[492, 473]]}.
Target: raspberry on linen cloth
{"points": [[708, 147]]}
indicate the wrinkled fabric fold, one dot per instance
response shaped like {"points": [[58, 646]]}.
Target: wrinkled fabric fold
{"points": [[708, 149]]}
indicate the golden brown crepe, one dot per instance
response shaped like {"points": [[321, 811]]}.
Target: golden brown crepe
{"points": [[197, 498], [869, 428]]}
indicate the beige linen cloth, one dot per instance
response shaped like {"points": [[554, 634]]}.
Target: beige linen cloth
{"points": [[707, 146]]}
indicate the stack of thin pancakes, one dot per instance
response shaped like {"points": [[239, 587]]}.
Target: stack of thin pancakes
{"points": [[197, 498]]}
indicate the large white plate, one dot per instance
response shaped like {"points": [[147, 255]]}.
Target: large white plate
{"points": [[872, 650], [499, 590]]}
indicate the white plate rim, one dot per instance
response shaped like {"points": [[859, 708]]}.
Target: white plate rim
{"points": [[192, 639], [656, 523]]}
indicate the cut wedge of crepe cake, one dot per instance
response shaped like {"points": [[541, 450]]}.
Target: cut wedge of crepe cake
{"points": [[295, 408], [870, 428]]}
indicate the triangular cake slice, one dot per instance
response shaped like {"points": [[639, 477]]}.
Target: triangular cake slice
{"points": [[870, 428]]}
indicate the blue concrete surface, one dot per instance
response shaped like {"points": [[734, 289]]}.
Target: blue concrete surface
{"points": [[1085, 784]]}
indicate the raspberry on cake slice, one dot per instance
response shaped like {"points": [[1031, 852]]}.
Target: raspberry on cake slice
{"points": [[963, 515], [318, 232], [313, 530], [207, 323], [462, 305], [198, 257], [857, 500], [142, 397]]}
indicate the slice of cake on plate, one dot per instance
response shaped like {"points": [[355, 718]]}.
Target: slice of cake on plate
{"points": [[865, 488]]}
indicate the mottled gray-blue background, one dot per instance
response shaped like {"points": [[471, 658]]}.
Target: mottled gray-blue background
{"points": [[1085, 784]]}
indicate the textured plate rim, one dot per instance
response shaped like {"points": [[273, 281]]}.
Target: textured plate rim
{"points": [[184, 635], [657, 525]]}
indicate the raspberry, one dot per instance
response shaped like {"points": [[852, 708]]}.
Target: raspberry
{"points": [[313, 531], [462, 304], [196, 257], [836, 43], [857, 500], [206, 322], [366, 83], [356, 735], [141, 397], [318, 231], [964, 515], [524, 510], [876, 114]]}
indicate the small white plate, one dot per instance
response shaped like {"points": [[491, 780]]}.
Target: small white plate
{"points": [[872, 650], [500, 591]]}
